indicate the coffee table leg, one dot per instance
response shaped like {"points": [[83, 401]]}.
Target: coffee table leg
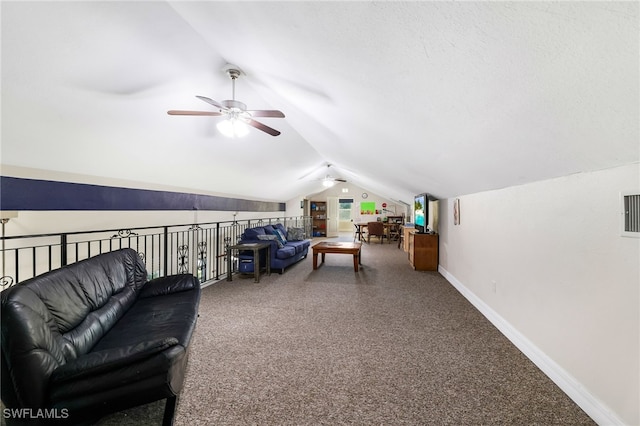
{"points": [[315, 260], [355, 262]]}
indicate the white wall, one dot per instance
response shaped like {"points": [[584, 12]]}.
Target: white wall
{"points": [[354, 192], [546, 262]]}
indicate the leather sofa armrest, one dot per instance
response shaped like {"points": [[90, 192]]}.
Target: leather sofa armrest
{"points": [[103, 361], [167, 285]]}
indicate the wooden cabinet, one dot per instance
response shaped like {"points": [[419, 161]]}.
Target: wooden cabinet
{"points": [[319, 218], [405, 237], [423, 251]]}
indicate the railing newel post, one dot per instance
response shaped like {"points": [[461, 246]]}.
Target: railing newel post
{"points": [[217, 250], [166, 251], [63, 249]]}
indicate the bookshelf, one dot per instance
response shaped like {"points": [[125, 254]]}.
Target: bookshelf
{"points": [[319, 218]]}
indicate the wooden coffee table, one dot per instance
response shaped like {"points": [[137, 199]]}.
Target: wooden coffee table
{"points": [[325, 247]]}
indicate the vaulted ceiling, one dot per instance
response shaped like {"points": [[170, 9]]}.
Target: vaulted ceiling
{"points": [[449, 98]]}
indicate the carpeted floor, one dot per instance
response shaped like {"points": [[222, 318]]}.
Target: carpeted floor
{"points": [[384, 346]]}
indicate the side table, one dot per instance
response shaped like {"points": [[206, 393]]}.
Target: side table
{"points": [[255, 247]]}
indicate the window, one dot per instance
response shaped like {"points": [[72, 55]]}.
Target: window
{"points": [[630, 214], [344, 209]]}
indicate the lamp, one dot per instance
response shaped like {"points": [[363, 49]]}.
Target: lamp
{"points": [[328, 183], [233, 127]]}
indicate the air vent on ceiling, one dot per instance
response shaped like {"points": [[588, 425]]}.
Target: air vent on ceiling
{"points": [[631, 214]]}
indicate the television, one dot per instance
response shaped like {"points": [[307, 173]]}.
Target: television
{"points": [[425, 211], [421, 212]]}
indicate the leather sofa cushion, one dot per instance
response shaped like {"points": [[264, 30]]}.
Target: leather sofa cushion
{"points": [[95, 363], [155, 318], [165, 367]]}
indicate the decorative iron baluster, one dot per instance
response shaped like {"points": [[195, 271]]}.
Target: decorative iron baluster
{"points": [[124, 233], [202, 261], [227, 254], [6, 281], [183, 259]]}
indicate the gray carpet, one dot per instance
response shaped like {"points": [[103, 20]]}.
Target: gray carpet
{"points": [[384, 346]]}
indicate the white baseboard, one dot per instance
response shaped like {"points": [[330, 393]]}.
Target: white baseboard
{"points": [[594, 408]]}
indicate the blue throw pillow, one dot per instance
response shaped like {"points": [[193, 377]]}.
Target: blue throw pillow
{"points": [[271, 238], [253, 233], [280, 236], [281, 228], [268, 229]]}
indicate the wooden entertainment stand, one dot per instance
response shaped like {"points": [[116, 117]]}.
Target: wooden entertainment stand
{"points": [[422, 249]]}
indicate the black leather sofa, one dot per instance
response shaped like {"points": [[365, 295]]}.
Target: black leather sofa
{"points": [[93, 338]]}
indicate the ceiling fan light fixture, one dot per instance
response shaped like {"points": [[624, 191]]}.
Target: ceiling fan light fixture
{"points": [[328, 183], [238, 119], [233, 128]]}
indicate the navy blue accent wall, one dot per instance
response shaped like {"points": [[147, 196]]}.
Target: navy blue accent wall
{"points": [[33, 194]]}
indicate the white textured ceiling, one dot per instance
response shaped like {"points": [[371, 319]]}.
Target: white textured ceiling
{"points": [[449, 98]]}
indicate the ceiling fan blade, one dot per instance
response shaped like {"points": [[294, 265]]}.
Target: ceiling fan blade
{"points": [[212, 102], [340, 180], [267, 113], [264, 128], [178, 112]]}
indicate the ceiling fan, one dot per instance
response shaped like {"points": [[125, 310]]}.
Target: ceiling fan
{"points": [[329, 180], [236, 113]]}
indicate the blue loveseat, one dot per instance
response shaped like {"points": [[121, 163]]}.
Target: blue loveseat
{"points": [[287, 246]]}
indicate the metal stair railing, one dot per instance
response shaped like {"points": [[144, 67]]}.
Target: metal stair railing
{"points": [[198, 248]]}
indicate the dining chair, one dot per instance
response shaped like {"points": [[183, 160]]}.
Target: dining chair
{"points": [[375, 229], [394, 231], [359, 232]]}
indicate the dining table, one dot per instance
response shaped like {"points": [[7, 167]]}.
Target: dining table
{"points": [[361, 228]]}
